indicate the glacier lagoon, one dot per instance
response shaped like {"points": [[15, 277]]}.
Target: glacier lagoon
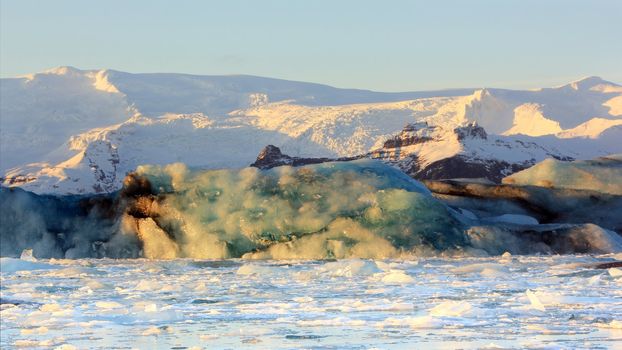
{"points": [[509, 302]]}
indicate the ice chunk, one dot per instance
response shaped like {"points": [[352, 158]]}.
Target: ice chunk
{"points": [[8, 265], [412, 322], [513, 219], [108, 305], [94, 284], [50, 308], [615, 324], [397, 277], [615, 272], [148, 285], [535, 302], [153, 330], [337, 322], [254, 269], [25, 343], [487, 269], [27, 255], [66, 347], [451, 308], [593, 280], [36, 330], [506, 258], [547, 239], [602, 174], [349, 268], [144, 306]]}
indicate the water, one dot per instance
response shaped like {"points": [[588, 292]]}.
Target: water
{"points": [[503, 302]]}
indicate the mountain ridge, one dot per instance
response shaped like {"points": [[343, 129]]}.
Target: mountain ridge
{"points": [[64, 129]]}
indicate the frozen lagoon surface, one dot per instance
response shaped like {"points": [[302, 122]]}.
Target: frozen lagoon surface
{"points": [[513, 302]]}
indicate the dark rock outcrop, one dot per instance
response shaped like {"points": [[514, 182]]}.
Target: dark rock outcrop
{"points": [[462, 167], [395, 152], [407, 137], [457, 166], [271, 156], [471, 131]]}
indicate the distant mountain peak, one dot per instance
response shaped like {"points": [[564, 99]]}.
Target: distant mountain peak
{"points": [[63, 70], [588, 83]]}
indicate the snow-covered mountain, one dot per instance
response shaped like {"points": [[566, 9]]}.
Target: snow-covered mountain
{"points": [[77, 131]]}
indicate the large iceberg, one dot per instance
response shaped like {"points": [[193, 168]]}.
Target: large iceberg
{"points": [[61, 227], [356, 209], [601, 174], [332, 210]]}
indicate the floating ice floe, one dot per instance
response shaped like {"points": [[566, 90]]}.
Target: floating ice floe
{"points": [[14, 265], [601, 174]]}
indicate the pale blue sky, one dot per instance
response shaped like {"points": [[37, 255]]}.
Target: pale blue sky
{"points": [[379, 45]]}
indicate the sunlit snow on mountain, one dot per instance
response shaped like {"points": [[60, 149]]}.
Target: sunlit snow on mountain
{"points": [[76, 131]]}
